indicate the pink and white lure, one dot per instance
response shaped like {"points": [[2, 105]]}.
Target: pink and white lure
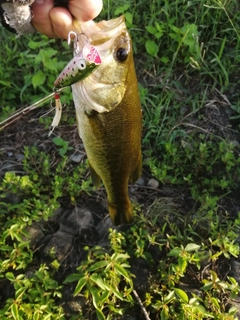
{"points": [[85, 61]]}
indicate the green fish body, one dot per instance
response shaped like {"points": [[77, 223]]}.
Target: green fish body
{"points": [[109, 117]]}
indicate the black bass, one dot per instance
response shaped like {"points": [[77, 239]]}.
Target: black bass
{"points": [[108, 112]]}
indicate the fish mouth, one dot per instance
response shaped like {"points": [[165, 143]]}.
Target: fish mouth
{"points": [[102, 31]]}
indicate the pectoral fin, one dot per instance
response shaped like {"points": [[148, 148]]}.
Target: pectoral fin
{"points": [[137, 172], [95, 177]]}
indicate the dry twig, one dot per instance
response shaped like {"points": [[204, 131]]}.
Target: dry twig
{"points": [[144, 311], [19, 113]]}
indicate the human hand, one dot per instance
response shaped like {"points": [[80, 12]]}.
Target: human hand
{"points": [[57, 22]]}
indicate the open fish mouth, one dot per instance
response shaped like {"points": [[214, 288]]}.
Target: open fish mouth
{"points": [[104, 30]]}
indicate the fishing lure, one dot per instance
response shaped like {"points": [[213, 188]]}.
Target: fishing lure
{"points": [[84, 62]]}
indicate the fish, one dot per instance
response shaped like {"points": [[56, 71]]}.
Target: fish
{"points": [[109, 113]]}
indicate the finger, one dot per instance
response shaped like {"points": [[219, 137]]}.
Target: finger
{"points": [[41, 19], [58, 22], [62, 22], [84, 10]]}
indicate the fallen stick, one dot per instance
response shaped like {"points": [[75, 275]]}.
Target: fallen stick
{"points": [[144, 311], [19, 113]]}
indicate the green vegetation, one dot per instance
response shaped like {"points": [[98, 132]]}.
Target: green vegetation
{"points": [[187, 57]]}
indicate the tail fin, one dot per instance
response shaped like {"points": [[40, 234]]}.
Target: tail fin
{"points": [[121, 213]]}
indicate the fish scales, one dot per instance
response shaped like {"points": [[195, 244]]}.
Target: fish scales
{"points": [[109, 118]]}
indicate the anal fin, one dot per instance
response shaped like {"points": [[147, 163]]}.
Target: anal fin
{"points": [[137, 171], [95, 177]]}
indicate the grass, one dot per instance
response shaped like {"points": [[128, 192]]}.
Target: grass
{"points": [[187, 58]]}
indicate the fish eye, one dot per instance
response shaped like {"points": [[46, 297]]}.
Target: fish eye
{"points": [[122, 54], [81, 65]]}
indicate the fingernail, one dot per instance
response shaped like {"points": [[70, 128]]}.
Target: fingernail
{"points": [[39, 1]]}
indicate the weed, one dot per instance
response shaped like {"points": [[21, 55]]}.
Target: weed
{"points": [[36, 61], [64, 145], [100, 276], [34, 296]]}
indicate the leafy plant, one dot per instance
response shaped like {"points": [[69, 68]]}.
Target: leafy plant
{"points": [[56, 180], [100, 276], [34, 297], [36, 62], [64, 145]]}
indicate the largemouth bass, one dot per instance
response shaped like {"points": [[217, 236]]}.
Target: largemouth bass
{"points": [[109, 115]]}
